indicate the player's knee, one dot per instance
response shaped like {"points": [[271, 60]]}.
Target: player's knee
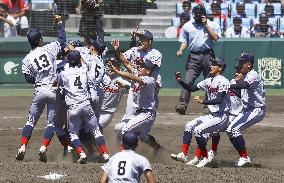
{"points": [[118, 128], [188, 127]]}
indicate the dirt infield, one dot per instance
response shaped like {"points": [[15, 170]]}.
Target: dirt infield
{"points": [[264, 142]]}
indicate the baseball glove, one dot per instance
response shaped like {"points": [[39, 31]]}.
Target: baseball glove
{"points": [[90, 5]]}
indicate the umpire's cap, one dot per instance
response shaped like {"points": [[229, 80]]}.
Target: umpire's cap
{"points": [[219, 61], [246, 56], [34, 36], [130, 140], [199, 9], [99, 45]]}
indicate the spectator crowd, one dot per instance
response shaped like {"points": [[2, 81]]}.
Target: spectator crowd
{"points": [[237, 19]]}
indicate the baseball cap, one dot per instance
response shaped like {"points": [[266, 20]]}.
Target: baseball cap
{"points": [[130, 139], [185, 3], [99, 45], [237, 17], [215, 3], [34, 35], [199, 9], [74, 55], [219, 61], [240, 3], [246, 56], [263, 15], [147, 34]]}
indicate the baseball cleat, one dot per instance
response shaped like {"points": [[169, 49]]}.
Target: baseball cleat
{"points": [[82, 158], [202, 163], [211, 155], [193, 162], [180, 109], [21, 153], [42, 154], [179, 157], [243, 161]]}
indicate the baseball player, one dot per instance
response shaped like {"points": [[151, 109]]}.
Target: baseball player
{"points": [[236, 108], [97, 74], [112, 95], [127, 166], [74, 79], [39, 68], [134, 33], [254, 106], [216, 88], [143, 87]]}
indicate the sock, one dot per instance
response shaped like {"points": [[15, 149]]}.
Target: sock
{"points": [[79, 150], [24, 140], [184, 148], [26, 134], [198, 153], [48, 134], [102, 149], [215, 142], [201, 141]]}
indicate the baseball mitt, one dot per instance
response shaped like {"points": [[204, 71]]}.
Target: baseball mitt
{"points": [[90, 5]]}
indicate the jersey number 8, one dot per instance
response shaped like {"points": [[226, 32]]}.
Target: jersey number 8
{"points": [[121, 168]]}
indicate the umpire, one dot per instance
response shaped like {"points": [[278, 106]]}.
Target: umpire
{"points": [[199, 35]]}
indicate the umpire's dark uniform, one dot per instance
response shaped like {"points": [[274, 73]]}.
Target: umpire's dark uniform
{"points": [[200, 47]]}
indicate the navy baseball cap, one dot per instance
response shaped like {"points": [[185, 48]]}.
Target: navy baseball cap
{"points": [[219, 61], [99, 45], [246, 56], [147, 34], [237, 17], [74, 55], [240, 3], [34, 35], [130, 139]]}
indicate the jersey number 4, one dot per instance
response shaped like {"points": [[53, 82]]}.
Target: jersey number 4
{"points": [[42, 62], [78, 83], [121, 168]]}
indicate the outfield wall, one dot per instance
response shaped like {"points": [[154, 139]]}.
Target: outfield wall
{"points": [[269, 56]]}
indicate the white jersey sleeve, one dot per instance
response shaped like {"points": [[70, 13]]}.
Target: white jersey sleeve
{"points": [[203, 85], [154, 56], [53, 48], [26, 67], [129, 53]]}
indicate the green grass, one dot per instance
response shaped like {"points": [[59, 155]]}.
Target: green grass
{"points": [[27, 90]]}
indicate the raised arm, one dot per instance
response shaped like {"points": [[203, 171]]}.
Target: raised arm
{"points": [[61, 30], [188, 87], [123, 74], [120, 56]]}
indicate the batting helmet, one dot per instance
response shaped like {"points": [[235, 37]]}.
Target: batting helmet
{"points": [[129, 140], [199, 10]]}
